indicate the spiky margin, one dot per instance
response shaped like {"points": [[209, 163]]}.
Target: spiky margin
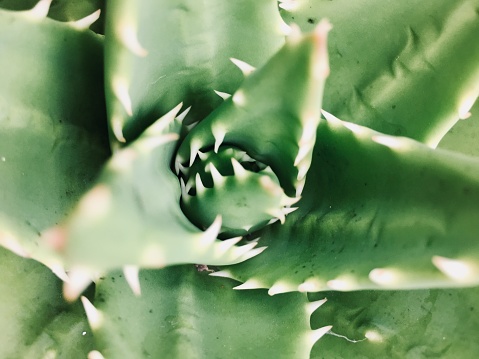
{"points": [[183, 313], [401, 73], [362, 231], [52, 142], [36, 320], [162, 52], [134, 210]]}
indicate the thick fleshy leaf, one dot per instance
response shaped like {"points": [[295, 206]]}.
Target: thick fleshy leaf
{"points": [[162, 52], [274, 114], [464, 136], [397, 71], [36, 321], [132, 215], [63, 10], [439, 323], [377, 212], [183, 313], [53, 139]]}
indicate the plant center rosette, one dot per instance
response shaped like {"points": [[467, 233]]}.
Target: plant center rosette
{"points": [[247, 161]]}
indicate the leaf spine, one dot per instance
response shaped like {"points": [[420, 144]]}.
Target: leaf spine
{"points": [[132, 278], [95, 317], [40, 10], [245, 68], [87, 21], [128, 37]]}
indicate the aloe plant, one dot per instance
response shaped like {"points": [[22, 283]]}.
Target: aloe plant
{"points": [[247, 179]]}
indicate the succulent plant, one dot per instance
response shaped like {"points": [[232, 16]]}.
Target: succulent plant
{"points": [[234, 179]]}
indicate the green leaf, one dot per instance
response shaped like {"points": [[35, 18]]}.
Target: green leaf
{"points": [[36, 321], [132, 215], [53, 139], [183, 313], [162, 52], [397, 71], [435, 323], [377, 212]]}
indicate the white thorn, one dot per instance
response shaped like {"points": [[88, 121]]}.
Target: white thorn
{"points": [[238, 169], [339, 284], [117, 128], [310, 285], [189, 184], [330, 117], [226, 245], [299, 188], [302, 171], [78, 281], [182, 115], [200, 188], [281, 287], [289, 5], [202, 156], [288, 210], [455, 269], [132, 277], [277, 213], [129, 39], [289, 201], [222, 273], [390, 141], [223, 95], [273, 220], [250, 284], [219, 134], [95, 354], [195, 147], [40, 10], [245, 68], [184, 190], [466, 105], [163, 122], [150, 143], [384, 276], [179, 167], [95, 317], [120, 89], [303, 151], [284, 28], [218, 179], [315, 335], [270, 186], [358, 130], [310, 124], [313, 306], [59, 271], [239, 98], [11, 243], [373, 336], [192, 125], [253, 252], [209, 236], [247, 228], [87, 21]]}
